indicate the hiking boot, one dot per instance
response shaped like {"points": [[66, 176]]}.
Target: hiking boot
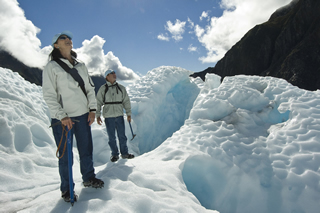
{"points": [[94, 183], [66, 196], [127, 156], [114, 158]]}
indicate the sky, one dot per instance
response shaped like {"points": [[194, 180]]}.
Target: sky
{"points": [[257, 150], [131, 36]]}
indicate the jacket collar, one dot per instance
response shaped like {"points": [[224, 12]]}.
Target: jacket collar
{"points": [[76, 61], [109, 84]]}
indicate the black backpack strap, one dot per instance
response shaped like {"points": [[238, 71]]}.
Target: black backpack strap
{"points": [[105, 92], [74, 73], [117, 102], [119, 88]]}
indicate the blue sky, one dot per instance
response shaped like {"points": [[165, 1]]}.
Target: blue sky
{"points": [[130, 28], [141, 34]]}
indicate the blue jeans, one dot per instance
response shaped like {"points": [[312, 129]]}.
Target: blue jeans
{"points": [[82, 132], [113, 124]]}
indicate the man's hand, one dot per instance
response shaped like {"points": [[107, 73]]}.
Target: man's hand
{"points": [[91, 117], [99, 121], [129, 118], [67, 122]]}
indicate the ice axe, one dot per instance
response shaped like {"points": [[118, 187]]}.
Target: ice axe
{"points": [[69, 148], [133, 135]]}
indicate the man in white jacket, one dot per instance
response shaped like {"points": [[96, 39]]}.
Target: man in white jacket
{"points": [[70, 106], [114, 98]]}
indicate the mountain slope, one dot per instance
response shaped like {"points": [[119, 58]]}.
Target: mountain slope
{"points": [[33, 75]]}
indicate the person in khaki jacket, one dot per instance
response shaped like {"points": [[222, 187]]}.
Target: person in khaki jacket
{"points": [[114, 98]]}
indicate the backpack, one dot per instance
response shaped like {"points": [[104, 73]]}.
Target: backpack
{"points": [[106, 90]]}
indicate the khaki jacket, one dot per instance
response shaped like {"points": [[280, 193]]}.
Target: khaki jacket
{"points": [[112, 97], [63, 95]]}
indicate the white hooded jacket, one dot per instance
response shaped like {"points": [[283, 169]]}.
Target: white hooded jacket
{"points": [[63, 95]]}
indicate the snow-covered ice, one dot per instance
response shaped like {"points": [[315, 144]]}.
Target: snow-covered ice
{"points": [[249, 144]]}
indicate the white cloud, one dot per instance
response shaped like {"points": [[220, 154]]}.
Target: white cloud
{"points": [[239, 17], [204, 15], [18, 35], [191, 23], [97, 62], [191, 48], [163, 37], [199, 31], [221, 33], [176, 29], [123, 73]]}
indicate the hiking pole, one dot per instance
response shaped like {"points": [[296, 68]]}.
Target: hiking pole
{"points": [[133, 135], [69, 147]]}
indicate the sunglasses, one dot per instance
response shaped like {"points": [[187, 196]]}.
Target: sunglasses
{"points": [[112, 73], [64, 38]]}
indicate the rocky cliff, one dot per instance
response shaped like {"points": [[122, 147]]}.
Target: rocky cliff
{"points": [[286, 46], [33, 75]]}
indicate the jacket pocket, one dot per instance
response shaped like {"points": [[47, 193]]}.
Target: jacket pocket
{"points": [[106, 110]]}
